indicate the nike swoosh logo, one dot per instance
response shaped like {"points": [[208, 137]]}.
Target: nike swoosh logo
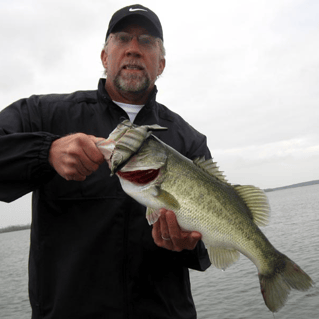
{"points": [[131, 9]]}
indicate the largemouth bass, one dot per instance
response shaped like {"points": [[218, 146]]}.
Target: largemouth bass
{"points": [[228, 216]]}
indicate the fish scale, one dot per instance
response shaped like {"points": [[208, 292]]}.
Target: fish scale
{"points": [[228, 216], [197, 215]]}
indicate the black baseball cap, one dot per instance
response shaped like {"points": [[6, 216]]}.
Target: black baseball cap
{"points": [[135, 14]]}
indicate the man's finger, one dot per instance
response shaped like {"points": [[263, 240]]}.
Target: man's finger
{"points": [[175, 233], [156, 232], [165, 232], [75, 156], [172, 225], [176, 240], [181, 239], [159, 238], [92, 152], [85, 166], [193, 239]]}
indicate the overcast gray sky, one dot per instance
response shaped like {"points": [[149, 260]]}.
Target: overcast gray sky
{"points": [[244, 73]]}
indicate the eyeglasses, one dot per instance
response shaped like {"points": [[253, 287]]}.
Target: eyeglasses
{"points": [[146, 41]]}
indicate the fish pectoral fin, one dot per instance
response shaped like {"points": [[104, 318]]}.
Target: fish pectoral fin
{"points": [[257, 202], [164, 199], [161, 199], [152, 215], [221, 257]]}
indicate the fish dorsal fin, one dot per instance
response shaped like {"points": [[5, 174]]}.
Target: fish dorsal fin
{"points": [[257, 202], [210, 167]]}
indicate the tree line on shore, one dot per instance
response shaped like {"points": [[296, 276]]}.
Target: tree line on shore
{"points": [[292, 186], [14, 228]]}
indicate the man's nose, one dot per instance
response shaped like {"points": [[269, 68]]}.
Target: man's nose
{"points": [[133, 48]]}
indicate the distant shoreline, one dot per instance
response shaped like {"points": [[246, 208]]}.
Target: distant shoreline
{"points": [[14, 228], [292, 186]]}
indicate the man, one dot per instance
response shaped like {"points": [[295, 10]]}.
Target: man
{"points": [[92, 252]]}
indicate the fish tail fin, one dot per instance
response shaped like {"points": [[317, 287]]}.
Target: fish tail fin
{"points": [[276, 287]]}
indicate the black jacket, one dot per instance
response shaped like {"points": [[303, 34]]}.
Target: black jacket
{"points": [[92, 254]]}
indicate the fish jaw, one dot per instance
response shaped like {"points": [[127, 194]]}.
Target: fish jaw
{"points": [[125, 141], [145, 187], [107, 147]]}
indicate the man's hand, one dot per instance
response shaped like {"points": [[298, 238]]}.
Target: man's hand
{"points": [[75, 156], [167, 233]]}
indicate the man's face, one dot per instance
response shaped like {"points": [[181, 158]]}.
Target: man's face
{"points": [[131, 66]]}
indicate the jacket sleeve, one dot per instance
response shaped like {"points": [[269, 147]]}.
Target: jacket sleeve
{"points": [[24, 150]]}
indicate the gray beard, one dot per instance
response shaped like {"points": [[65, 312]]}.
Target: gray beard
{"points": [[132, 83]]}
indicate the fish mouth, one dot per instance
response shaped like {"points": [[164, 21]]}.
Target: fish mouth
{"points": [[141, 177]]}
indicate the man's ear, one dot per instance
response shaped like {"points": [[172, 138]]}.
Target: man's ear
{"points": [[161, 66], [104, 59]]}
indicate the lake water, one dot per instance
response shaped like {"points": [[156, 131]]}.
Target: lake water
{"points": [[233, 294], [14, 253]]}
